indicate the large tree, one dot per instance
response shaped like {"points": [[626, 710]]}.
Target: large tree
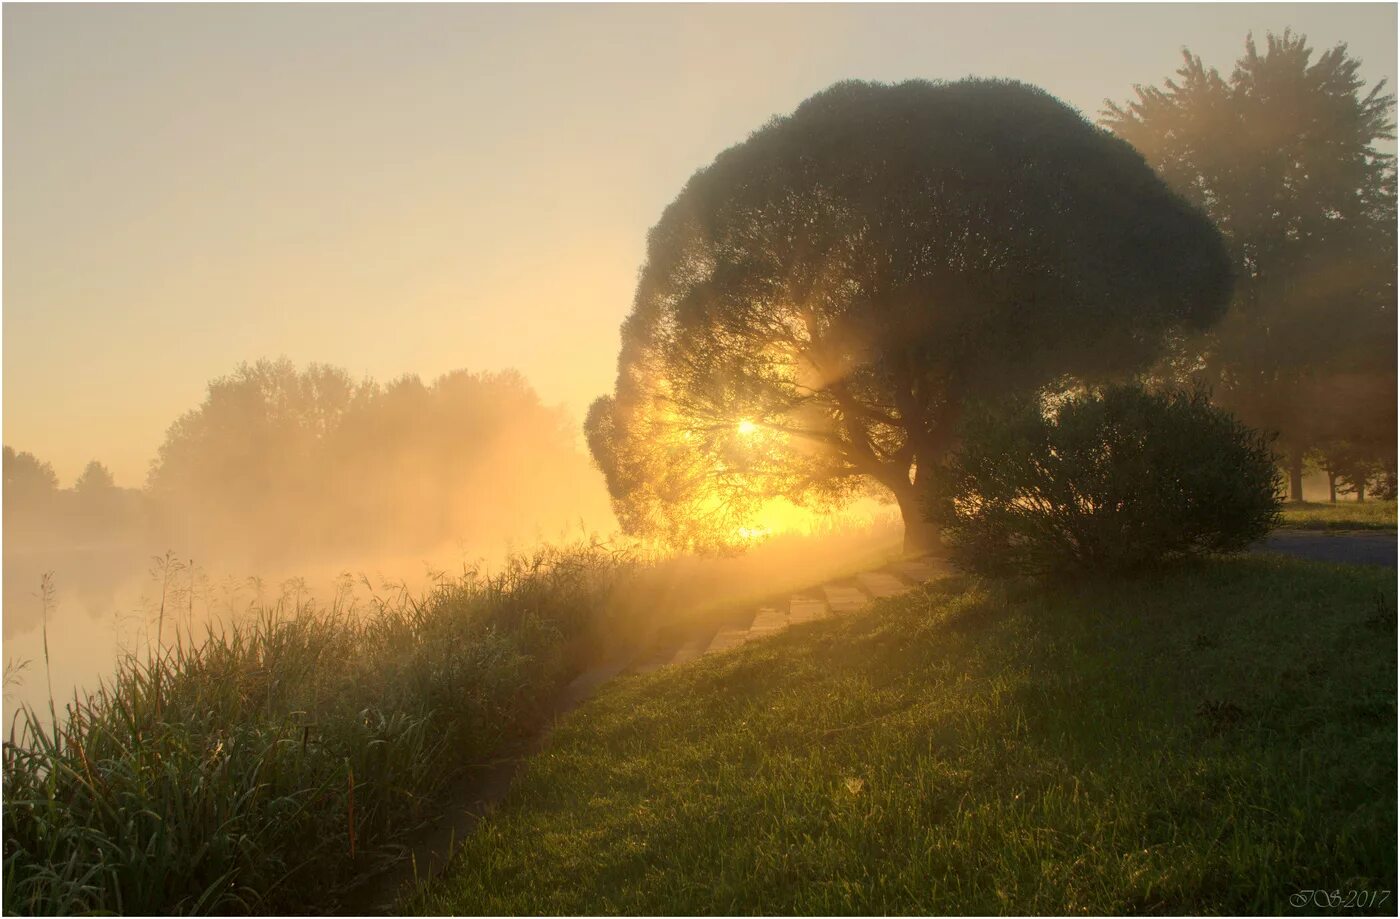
{"points": [[818, 304], [1283, 156]]}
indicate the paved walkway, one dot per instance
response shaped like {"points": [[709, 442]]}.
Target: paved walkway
{"points": [[833, 598], [1356, 547]]}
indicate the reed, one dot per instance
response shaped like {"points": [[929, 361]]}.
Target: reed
{"points": [[275, 762]]}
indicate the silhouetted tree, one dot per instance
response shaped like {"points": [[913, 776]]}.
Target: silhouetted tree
{"points": [[100, 507], [244, 462], [28, 480], [1354, 464], [469, 455], [96, 479], [1283, 156], [1348, 467], [818, 303], [31, 495]]}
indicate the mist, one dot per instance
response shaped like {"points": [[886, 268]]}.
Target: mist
{"points": [[288, 475], [292, 485]]}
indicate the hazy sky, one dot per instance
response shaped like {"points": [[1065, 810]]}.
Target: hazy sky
{"points": [[420, 188]]}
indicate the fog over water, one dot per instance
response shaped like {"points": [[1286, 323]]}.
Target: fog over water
{"points": [[106, 602], [106, 599], [292, 486], [286, 481]]}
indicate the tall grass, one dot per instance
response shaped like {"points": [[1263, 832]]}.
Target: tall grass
{"points": [[269, 765]]}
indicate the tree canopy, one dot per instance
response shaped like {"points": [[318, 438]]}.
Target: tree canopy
{"points": [[27, 478], [819, 303], [95, 480], [1282, 154]]}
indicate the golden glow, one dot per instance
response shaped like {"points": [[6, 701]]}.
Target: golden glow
{"points": [[779, 516], [747, 427]]}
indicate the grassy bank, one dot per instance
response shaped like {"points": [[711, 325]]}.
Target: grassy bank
{"points": [[1213, 740], [1344, 515], [275, 762]]}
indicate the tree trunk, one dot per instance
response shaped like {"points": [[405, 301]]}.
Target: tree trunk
{"points": [[1295, 476], [1361, 491], [920, 535], [1331, 486]]}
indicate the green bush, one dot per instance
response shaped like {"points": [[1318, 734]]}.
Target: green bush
{"points": [[1115, 481]]}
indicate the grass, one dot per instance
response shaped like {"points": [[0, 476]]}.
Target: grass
{"points": [[1216, 739], [1344, 515], [270, 766]]}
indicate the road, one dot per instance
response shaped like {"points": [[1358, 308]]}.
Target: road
{"points": [[1356, 547]]}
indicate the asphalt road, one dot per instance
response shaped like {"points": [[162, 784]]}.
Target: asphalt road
{"points": [[1356, 547]]}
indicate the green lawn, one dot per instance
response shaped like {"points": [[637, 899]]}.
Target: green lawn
{"points": [[1213, 740], [1344, 515]]}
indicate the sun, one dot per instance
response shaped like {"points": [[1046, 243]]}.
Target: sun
{"points": [[747, 427]]}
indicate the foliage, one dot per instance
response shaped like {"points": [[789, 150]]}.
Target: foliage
{"points": [[27, 478], [310, 461], [277, 760], [95, 480], [1207, 742], [817, 304], [1352, 465], [1120, 480], [1283, 156]]}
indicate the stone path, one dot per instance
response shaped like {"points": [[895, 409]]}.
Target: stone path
{"points": [[806, 609], [834, 598]]}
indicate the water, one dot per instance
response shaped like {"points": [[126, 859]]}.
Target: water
{"points": [[106, 602], [106, 597]]}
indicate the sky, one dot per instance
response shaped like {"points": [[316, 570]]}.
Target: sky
{"points": [[416, 189]]}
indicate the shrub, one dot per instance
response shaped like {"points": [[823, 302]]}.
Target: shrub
{"points": [[1114, 481]]}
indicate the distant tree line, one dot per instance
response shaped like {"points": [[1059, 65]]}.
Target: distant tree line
{"points": [[94, 508], [1282, 154], [280, 462]]}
